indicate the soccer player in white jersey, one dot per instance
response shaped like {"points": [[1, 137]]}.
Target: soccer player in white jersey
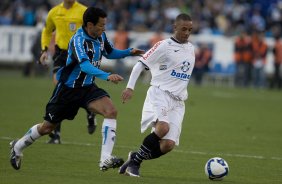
{"points": [[171, 63]]}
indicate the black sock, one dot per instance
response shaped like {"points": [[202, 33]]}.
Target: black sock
{"points": [[150, 149], [57, 130], [90, 117]]}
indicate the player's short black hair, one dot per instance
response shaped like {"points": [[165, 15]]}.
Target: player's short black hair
{"points": [[92, 14], [183, 16]]}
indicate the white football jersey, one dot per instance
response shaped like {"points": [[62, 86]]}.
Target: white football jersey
{"points": [[171, 64]]}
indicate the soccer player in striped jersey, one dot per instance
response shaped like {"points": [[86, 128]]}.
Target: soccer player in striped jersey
{"points": [[76, 88], [64, 19]]}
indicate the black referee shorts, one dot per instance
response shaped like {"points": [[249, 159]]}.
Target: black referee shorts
{"points": [[65, 101], [59, 58]]}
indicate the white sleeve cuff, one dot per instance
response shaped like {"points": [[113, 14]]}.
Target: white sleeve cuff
{"points": [[135, 73]]}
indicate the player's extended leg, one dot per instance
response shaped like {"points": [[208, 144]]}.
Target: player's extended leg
{"points": [[33, 134], [152, 147], [104, 106]]}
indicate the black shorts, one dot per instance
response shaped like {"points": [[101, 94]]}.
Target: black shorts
{"points": [[59, 58], [66, 101]]}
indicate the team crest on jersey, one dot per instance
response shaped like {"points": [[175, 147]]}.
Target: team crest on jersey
{"points": [[72, 26], [186, 66]]}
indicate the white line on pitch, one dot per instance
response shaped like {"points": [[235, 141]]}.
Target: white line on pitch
{"points": [[176, 150]]}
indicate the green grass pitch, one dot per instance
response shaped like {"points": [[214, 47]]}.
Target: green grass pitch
{"points": [[243, 126]]}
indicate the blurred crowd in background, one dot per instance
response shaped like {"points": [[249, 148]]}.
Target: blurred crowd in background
{"points": [[225, 17], [250, 21]]}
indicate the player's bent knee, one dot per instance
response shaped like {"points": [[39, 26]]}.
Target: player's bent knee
{"points": [[167, 145], [46, 128], [110, 113], [162, 129]]}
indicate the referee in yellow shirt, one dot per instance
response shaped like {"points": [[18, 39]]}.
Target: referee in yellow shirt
{"points": [[64, 19]]}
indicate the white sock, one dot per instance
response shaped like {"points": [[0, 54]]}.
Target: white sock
{"points": [[27, 139], [108, 135]]}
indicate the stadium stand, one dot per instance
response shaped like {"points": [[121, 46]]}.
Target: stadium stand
{"points": [[224, 18]]}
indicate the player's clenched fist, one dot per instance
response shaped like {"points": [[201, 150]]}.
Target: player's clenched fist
{"points": [[115, 78]]}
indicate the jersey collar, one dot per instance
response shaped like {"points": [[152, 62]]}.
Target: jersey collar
{"points": [[73, 5], [175, 40]]}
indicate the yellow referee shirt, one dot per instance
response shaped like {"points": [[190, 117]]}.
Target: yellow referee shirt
{"points": [[65, 22]]}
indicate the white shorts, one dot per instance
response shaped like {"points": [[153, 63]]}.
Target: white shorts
{"points": [[159, 105]]}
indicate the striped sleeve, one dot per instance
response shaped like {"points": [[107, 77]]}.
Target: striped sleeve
{"points": [[81, 56], [78, 49], [110, 52]]}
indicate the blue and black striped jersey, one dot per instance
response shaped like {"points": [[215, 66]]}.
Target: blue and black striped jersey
{"points": [[84, 59]]}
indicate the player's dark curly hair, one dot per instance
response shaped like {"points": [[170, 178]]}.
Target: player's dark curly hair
{"points": [[183, 16], [92, 14]]}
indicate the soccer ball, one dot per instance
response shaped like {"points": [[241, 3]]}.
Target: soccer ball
{"points": [[216, 168]]}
